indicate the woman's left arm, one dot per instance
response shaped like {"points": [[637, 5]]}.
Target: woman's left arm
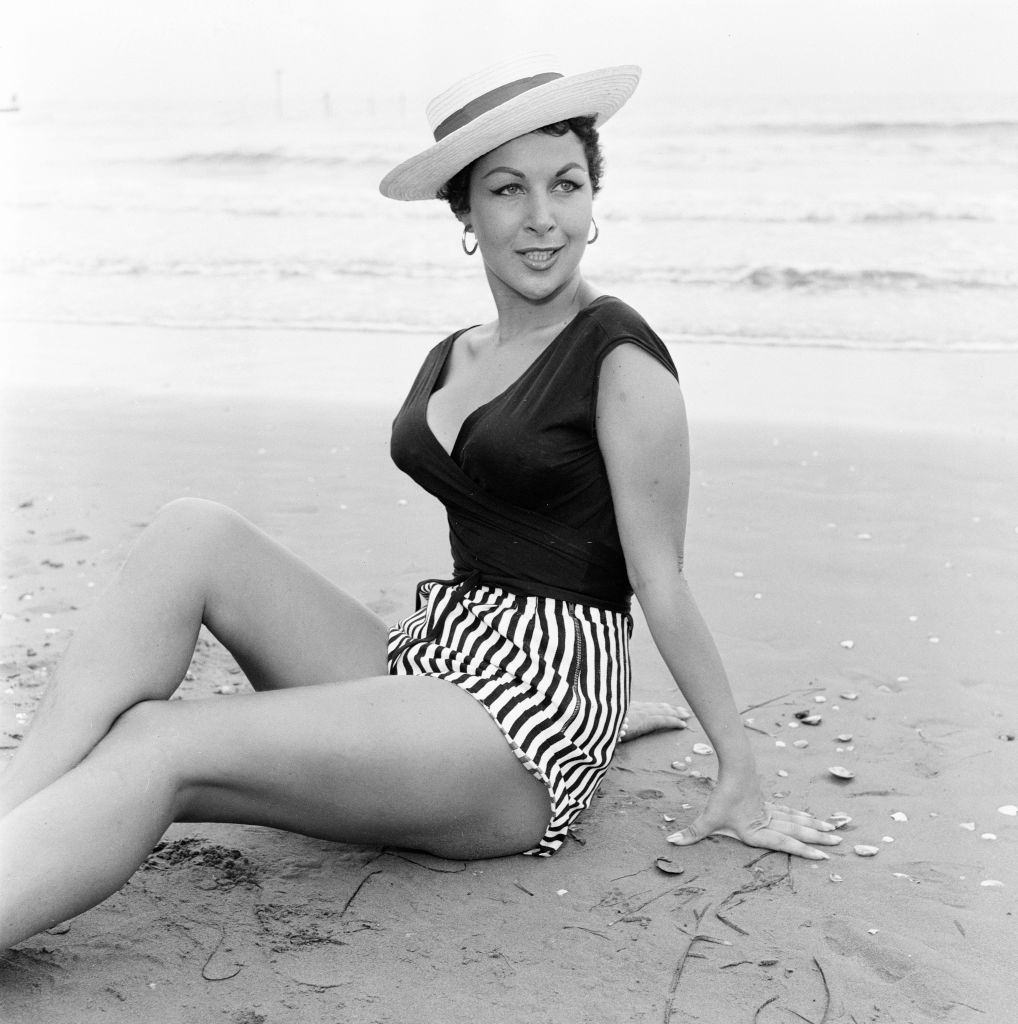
{"points": [[642, 433]]}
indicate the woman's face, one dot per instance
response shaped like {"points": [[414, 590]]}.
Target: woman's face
{"points": [[530, 210]]}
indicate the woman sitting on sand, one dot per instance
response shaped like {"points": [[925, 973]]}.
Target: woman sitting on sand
{"points": [[482, 724]]}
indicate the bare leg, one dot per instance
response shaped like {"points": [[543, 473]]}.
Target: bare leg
{"points": [[197, 562], [401, 761]]}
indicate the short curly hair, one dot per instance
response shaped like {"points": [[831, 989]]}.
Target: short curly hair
{"points": [[456, 191]]}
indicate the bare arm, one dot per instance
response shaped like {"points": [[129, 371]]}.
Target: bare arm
{"points": [[642, 433]]}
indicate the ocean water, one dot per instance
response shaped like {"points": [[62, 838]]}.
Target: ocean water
{"points": [[884, 223]]}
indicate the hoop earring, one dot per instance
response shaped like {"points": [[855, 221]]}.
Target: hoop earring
{"points": [[591, 241], [463, 242]]}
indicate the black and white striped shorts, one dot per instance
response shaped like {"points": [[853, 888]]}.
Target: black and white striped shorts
{"points": [[554, 675]]}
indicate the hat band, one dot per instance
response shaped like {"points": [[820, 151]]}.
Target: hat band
{"points": [[482, 104]]}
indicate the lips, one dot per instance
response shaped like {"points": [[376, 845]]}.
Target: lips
{"points": [[538, 259]]}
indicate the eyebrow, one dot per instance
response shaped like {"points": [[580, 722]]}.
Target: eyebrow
{"points": [[520, 174]]}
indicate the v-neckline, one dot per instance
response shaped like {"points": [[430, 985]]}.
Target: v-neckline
{"points": [[475, 413]]}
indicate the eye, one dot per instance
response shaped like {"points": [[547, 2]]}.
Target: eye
{"points": [[512, 189], [568, 185]]}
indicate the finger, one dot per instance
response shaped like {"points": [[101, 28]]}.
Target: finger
{"points": [[762, 839], [690, 834], [800, 817], [701, 828], [797, 819], [770, 839], [803, 833]]}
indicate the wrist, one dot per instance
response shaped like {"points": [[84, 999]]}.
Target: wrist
{"points": [[734, 754], [737, 768]]}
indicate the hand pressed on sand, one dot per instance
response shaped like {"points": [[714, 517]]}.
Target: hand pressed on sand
{"points": [[759, 824]]}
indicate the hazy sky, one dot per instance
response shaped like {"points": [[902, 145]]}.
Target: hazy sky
{"points": [[194, 48]]}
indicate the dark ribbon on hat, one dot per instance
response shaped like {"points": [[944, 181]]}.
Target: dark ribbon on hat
{"points": [[482, 104]]}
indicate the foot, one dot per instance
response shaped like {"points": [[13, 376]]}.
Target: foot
{"points": [[646, 717]]}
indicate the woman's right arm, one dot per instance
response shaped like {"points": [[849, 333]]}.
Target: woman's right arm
{"points": [[643, 438]]}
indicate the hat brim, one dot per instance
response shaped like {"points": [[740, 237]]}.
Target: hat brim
{"points": [[598, 94]]}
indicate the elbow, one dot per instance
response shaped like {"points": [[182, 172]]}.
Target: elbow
{"points": [[650, 576]]}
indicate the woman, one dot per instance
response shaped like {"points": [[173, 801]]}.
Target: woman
{"points": [[556, 437]]}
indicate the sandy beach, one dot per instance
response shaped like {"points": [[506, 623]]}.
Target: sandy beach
{"points": [[853, 543]]}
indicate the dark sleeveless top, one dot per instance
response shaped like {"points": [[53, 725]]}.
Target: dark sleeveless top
{"points": [[525, 487]]}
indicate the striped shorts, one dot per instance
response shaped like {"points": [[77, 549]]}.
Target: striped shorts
{"points": [[554, 676]]}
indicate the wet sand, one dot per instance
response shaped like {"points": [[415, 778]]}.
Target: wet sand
{"points": [[853, 530]]}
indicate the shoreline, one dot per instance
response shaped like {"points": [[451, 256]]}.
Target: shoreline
{"points": [[965, 393]]}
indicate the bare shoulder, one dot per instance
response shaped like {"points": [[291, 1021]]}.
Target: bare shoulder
{"points": [[637, 392], [642, 435]]}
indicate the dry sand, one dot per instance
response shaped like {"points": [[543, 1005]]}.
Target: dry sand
{"points": [[837, 544]]}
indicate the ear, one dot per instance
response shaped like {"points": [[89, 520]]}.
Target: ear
{"points": [[464, 219]]}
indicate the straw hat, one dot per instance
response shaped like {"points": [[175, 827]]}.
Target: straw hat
{"points": [[503, 102]]}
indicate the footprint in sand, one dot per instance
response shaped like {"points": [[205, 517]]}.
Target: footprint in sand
{"points": [[865, 961], [853, 942]]}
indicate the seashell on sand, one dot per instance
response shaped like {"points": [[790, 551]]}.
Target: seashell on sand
{"points": [[669, 867], [866, 851], [841, 773]]}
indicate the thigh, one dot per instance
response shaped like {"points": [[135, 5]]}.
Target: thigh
{"points": [[397, 761], [285, 623]]}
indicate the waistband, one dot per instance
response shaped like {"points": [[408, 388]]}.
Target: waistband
{"points": [[466, 581]]}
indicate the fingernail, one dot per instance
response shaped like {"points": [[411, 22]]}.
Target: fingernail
{"points": [[835, 840], [826, 826], [675, 837], [822, 856]]}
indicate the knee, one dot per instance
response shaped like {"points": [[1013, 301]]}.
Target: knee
{"points": [[195, 516], [138, 740], [156, 739], [144, 742], [142, 727], [195, 526]]}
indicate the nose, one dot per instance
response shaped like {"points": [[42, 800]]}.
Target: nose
{"points": [[540, 216]]}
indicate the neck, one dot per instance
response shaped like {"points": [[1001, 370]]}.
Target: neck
{"points": [[519, 317]]}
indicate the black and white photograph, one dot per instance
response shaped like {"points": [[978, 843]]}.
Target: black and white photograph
{"points": [[508, 512]]}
